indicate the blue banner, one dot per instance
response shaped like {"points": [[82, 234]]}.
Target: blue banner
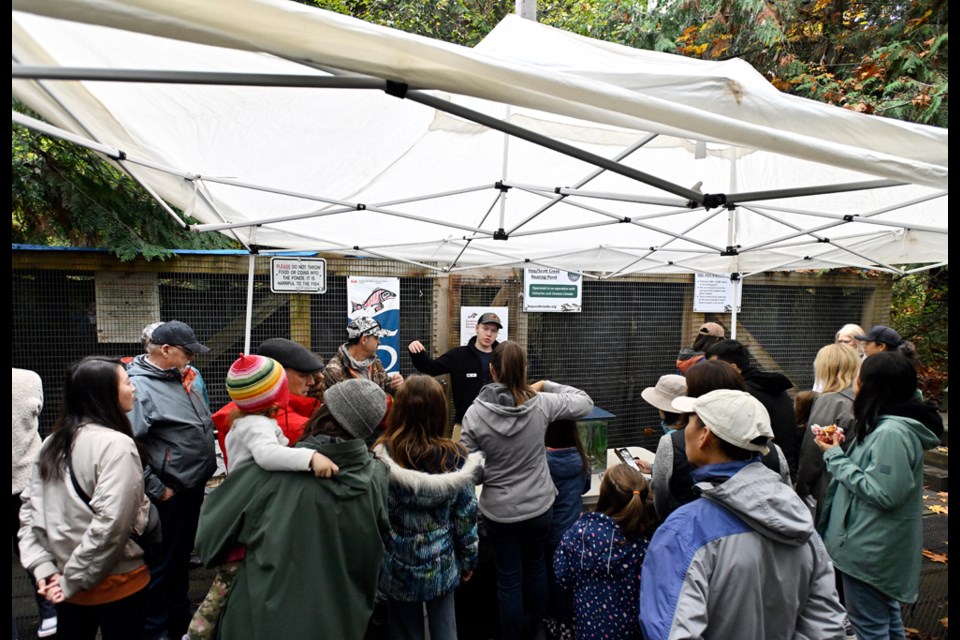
{"points": [[378, 298]]}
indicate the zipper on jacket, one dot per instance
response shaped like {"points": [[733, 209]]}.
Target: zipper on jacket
{"points": [[163, 469]]}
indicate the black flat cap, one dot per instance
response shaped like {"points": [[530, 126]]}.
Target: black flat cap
{"points": [[290, 354]]}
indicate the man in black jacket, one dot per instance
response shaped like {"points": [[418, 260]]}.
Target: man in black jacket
{"points": [[770, 388], [468, 366]]}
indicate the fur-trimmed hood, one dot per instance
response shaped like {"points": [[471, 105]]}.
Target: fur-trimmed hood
{"points": [[433, 486]]}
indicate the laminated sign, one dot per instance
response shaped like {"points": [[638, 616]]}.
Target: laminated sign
{"points": [[716, 294], [552, 290], [298, 275]]}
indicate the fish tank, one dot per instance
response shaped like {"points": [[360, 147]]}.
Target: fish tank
{"points": [[593, 436]]}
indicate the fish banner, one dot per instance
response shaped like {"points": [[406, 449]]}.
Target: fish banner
{"points": [[378, 298]]}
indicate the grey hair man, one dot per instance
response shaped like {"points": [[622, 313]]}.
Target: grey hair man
{"points": [[171, 419]]}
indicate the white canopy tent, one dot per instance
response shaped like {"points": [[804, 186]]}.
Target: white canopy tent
{"points": [[289, 127]]}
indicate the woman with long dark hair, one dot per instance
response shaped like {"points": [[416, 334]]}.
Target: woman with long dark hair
{"points": [[432, 544], [84, 500], [508, 422], [871, 522]]}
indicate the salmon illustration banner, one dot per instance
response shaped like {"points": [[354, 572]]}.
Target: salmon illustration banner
{"points": [[378, 298]]}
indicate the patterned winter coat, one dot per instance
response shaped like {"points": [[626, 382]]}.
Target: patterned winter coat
{"points": [[433, 529], [602, 568]]}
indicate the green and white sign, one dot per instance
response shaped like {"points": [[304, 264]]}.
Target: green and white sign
{"points": [[552, 290]]}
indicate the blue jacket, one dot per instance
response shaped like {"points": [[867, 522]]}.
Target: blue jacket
{"points": [[174, 425], [602, 568], [433, 529], [742, 561], [566, 469]]}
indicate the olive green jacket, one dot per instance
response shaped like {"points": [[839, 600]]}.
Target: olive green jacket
{"points": [[313, 546]]}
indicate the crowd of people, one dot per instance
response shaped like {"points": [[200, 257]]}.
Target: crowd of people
{"points": [[351, 500]]}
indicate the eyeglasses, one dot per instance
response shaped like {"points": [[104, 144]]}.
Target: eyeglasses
{"points": [[186, 351]]}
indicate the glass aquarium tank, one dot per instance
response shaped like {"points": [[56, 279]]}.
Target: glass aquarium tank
{"points": [[593, 436]]}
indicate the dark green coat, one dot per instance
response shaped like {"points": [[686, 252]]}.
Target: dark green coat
{"points": [[313, 546]]}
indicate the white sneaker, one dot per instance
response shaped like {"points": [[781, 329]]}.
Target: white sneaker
{"points": [[48, 627], [848, 633]]}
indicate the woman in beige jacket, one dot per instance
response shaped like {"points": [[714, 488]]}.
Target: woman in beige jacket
{"points": [[78, 546]]}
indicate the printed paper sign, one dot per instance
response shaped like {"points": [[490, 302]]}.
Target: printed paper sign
{"points": [[378, 298], [552, 290], [469, 317], [125, 304], [714, 294]]}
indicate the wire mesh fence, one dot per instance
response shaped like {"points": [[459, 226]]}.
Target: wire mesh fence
{"points": [[68, 304]]}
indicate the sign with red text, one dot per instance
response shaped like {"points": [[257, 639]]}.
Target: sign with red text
{"points": [[298, 275]]}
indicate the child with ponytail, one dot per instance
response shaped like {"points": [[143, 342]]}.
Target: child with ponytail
{"points": [[600, 556]]}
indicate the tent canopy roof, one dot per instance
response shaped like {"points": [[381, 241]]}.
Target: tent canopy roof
{"points": [[291, 127]]}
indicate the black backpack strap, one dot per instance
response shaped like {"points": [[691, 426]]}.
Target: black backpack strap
{"points": [[76, 485]]}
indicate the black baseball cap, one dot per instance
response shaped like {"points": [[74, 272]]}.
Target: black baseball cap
{"points": [[882, 334], [178, 334], [290, 355], [490, 318]]}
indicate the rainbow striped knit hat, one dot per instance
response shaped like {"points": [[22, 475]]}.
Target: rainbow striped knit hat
{"points": [[256, 383]]}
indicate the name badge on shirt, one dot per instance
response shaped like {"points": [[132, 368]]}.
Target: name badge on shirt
{"points": [[471, 375]]}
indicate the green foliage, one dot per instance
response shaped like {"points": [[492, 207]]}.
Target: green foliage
{"points": [[456, 21], [641, 24], [919, 314], [65, 195]]}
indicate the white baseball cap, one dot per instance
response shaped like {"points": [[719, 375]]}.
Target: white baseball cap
{"points": [[733, 416]]}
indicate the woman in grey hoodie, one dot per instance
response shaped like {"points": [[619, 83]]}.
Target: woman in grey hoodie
{"points": [[507, 422]]}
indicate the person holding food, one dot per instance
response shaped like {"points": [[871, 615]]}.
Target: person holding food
{"points": [[836, 365], [871, 521]]}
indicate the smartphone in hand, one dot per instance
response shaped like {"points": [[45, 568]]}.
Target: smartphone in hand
{"points": [[627, 457]]}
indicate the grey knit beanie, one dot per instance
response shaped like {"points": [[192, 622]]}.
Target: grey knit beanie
{"points": [[357, 404]]}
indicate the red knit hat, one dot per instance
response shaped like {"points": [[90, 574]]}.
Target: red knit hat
{"points": [[256, 383]]}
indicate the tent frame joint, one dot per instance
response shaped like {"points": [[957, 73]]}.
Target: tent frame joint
{"points": [[500, 234], [396, 89], [499, 184], [730, 251], [713, 200]]}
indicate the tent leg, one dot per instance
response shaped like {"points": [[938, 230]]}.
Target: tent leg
{"points": [[249, 319], [735, 281]]}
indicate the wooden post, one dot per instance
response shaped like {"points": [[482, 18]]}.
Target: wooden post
{"points": [[300, 319]]}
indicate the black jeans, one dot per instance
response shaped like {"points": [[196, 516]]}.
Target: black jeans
{"points": [[518, 550], [168, 601], [119, 620]]}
